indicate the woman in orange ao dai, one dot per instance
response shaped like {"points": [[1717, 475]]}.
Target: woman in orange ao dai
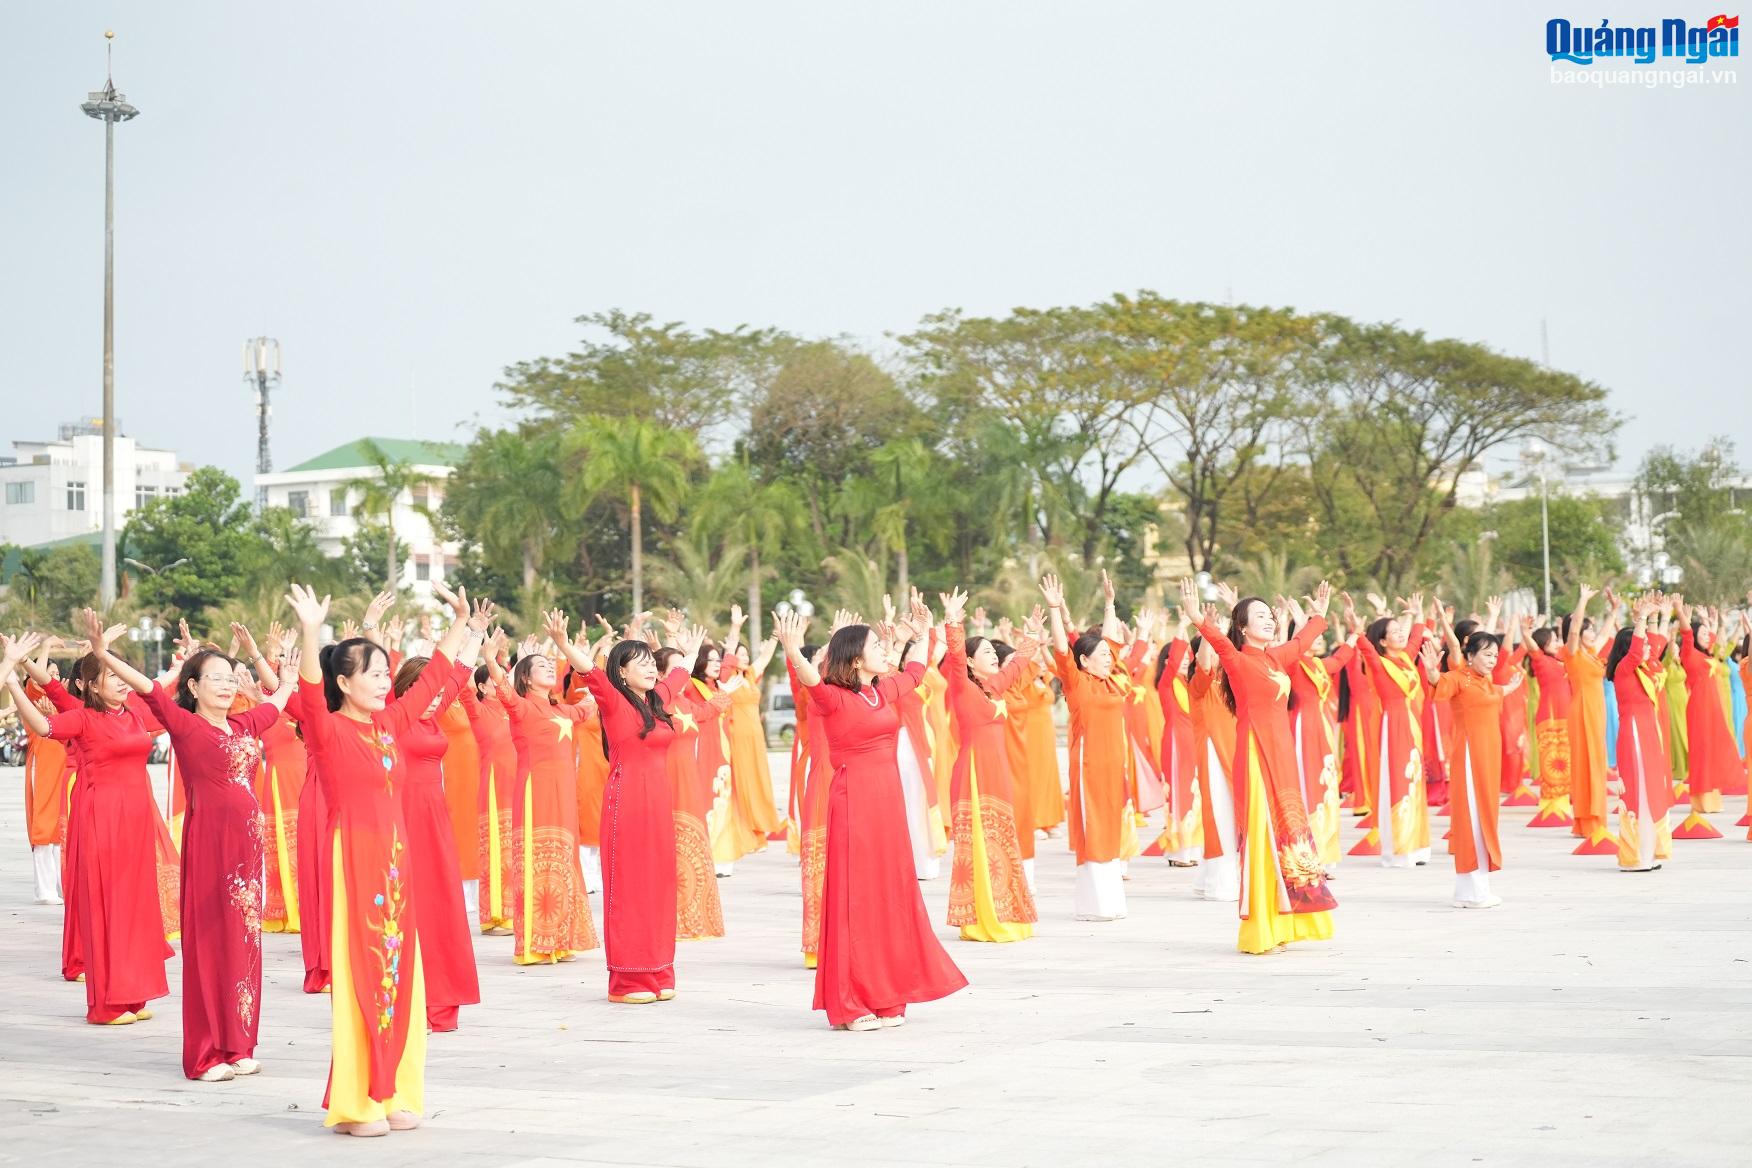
{"points": [[1477, 681], [1100, 752], [988, 890], [1284, 896]]}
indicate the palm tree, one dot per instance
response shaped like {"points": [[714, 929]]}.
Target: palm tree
{"points": [[1270, 575], [1473, 576], [508, 491], [634, 460], [760, 517], [378, 494], [895, 500], [699, 577], [859, 579], [1714, 555]]}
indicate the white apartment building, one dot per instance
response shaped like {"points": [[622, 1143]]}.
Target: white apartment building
{"points": [[52, 491], [321, 490]]}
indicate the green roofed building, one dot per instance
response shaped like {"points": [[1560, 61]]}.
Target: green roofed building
{"points": [[324, 490]]}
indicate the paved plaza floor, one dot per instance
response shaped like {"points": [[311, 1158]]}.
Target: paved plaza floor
{"points": [[1596, 1018]]}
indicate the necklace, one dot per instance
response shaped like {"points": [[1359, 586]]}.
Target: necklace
{"points": [[873, 698]]}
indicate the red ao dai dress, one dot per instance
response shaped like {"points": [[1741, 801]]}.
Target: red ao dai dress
{"points": [[878, 953], [222, 880]]}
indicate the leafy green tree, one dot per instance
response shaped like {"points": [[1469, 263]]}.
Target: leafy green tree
{"points": [[283, 547], [1214, 386], [756, 518], [1053, 375], [51, 584], [666, 373], [207, 528], [364, 553], [1390, 417], [507, 490], [377, 495], [819, 419], [1581, 532], [701, 576], [636, 464], [1696, 506]]}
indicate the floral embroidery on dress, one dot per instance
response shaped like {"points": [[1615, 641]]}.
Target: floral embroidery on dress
{"points": [[246, 901], [392, 900], [243, 754]]}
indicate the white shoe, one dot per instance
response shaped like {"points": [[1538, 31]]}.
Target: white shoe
{"points": [[218, 1073], [49, 900], [891, 1023], [1487, 902], [866, 1023], [246, 1066]]}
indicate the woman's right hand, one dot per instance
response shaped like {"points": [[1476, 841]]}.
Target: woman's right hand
{"points": [[310, 611]]}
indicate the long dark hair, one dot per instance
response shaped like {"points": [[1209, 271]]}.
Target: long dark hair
{"points": [[408, 673], [707, 648], [520, 675], [346, 658], [87, 672], [1620, 649], [1377, 633], [973, 644], [1085, 645], [650, 707], [191, 671], [1542, 637], [844, 649]]}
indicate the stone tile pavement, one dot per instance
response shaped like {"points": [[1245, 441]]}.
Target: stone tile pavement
{"points": [[1595, 1018]]}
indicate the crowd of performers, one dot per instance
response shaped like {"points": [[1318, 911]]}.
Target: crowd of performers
{"points": [[387, 805]]}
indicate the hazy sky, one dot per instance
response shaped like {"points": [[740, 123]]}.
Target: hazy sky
{"points": [[413, 196]]}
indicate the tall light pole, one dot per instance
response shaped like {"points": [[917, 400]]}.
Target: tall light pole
{"points": [[261, 368], [109, 107], [1536, 452]]}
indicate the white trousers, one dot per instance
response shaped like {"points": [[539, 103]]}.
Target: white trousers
{"points": [[471, 898], [590, 862], [1100, 894], [1219, 877], [918, 809], [45, 862], [1473, 887], [1395, 853]]}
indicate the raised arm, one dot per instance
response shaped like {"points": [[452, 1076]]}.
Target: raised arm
{"points": [[13, 652], [1054, 591], [464, 627], [310, 612], [101, 639], [734, 636], [789, 628], [1578, 618]]}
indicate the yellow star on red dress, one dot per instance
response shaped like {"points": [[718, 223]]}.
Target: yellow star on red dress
{"points": [[565, 726], [1282, 681], [1000, 708], [684, 723]]}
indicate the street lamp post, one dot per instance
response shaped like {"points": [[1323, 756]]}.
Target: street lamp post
{"points": [[1536, 451], [109, 107]]}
